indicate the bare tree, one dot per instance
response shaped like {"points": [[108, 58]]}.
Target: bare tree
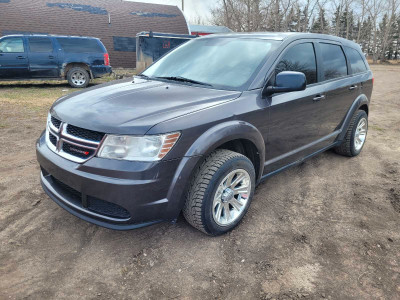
{"points": [[375, 10], [227, 15], [363, 4], [358, 20], [390, 10]]}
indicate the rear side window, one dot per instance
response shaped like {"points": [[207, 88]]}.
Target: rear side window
{"points": [[40, 44], [80, 45], [356, 61], [300, 58], [333, 61], [12, 45]]}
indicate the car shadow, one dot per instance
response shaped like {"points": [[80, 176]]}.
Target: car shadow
{"points": [[41, 85], [34, 84]]}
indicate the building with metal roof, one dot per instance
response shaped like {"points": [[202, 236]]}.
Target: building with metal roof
{"points": [[115, 22]]}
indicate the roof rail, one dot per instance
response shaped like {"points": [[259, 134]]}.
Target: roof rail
{"points": [[49, 35]]}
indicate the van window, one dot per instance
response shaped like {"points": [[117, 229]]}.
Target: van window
{"points": [[333, 61], [40, 44], [300, 58], [12, 45], [80, 45], [356, 61]]}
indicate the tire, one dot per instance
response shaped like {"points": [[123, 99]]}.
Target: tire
{"points": [[209, 205], [78, 77], [351, 145]]}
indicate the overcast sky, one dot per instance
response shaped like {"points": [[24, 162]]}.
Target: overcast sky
{"points": [[193, 8]]}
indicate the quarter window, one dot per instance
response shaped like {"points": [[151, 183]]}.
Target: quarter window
{"points": [[80, 45], [40, 44], [356, 61], [300, 58], [12, 45], [333, 61]]}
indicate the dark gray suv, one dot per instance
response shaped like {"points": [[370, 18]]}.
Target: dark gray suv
{"points": [[202, 126]]}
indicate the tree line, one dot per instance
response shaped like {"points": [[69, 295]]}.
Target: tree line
{"points": [[373, 24]]}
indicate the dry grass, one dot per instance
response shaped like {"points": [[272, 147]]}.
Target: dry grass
{"points": [[388, 62], [33, 93], [39, 94]]}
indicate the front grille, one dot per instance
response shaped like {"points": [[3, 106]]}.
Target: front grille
{"points": [[77, 151], [85, 134], [55, 122], [72, 142], [53, 139], [93, 204]]}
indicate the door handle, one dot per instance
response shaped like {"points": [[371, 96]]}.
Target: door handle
{"points": [[352, 87], [21, 57], [319, 97], [51, 56]]}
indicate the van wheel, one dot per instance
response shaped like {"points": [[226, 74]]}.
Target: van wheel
{"points": [[356, 135], [220, 192], [78, 77]]}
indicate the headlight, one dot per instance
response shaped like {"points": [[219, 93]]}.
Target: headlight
{"points": [[144, 148]]}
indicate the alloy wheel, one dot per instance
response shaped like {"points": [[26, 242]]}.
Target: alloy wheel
{"points": [[360, 134], [231, 197]]}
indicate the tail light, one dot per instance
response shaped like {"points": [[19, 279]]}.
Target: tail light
{"points": [[373, 79], [106, 59]]}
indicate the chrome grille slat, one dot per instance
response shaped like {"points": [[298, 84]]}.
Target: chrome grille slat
{"points": [[78, 145], [78, 149], [84, 134], [78, 139]]}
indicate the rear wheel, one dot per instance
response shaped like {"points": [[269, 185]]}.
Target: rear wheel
{"points": [[220, 192], [356, 135], [78, 77]]}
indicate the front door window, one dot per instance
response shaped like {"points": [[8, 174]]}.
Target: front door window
{"points": [[12, 45]]}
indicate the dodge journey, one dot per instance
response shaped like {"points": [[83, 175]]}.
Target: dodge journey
{"points": [[199, 129]]}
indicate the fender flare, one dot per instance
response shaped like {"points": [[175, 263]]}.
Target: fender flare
{"points": [[360, 101], [204, 145], [225, 132]]}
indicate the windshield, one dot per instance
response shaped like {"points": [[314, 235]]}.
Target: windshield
{"points": [[226, 63]]}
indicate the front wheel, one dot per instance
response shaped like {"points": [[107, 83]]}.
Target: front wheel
{"points": [[220, 192]]}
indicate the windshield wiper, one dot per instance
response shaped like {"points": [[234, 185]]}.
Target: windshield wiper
{"points": [[143, 76], [183, 79]]}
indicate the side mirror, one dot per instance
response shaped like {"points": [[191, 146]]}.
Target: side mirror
{"points": [[287, 81]]}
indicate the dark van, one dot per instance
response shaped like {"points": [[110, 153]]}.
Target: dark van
{"points": [[38, 57], [202, 126]]}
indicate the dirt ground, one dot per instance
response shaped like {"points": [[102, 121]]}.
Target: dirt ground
{"points": [[329, 228]]}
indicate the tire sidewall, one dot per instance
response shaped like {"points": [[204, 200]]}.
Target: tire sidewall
{"points": [[237, 163], [359, 116], [86, 74]]}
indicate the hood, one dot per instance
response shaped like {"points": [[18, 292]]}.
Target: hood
{"points": [[133, 107]]}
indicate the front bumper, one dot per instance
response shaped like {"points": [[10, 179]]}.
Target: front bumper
{"points": [[110, 193]]}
